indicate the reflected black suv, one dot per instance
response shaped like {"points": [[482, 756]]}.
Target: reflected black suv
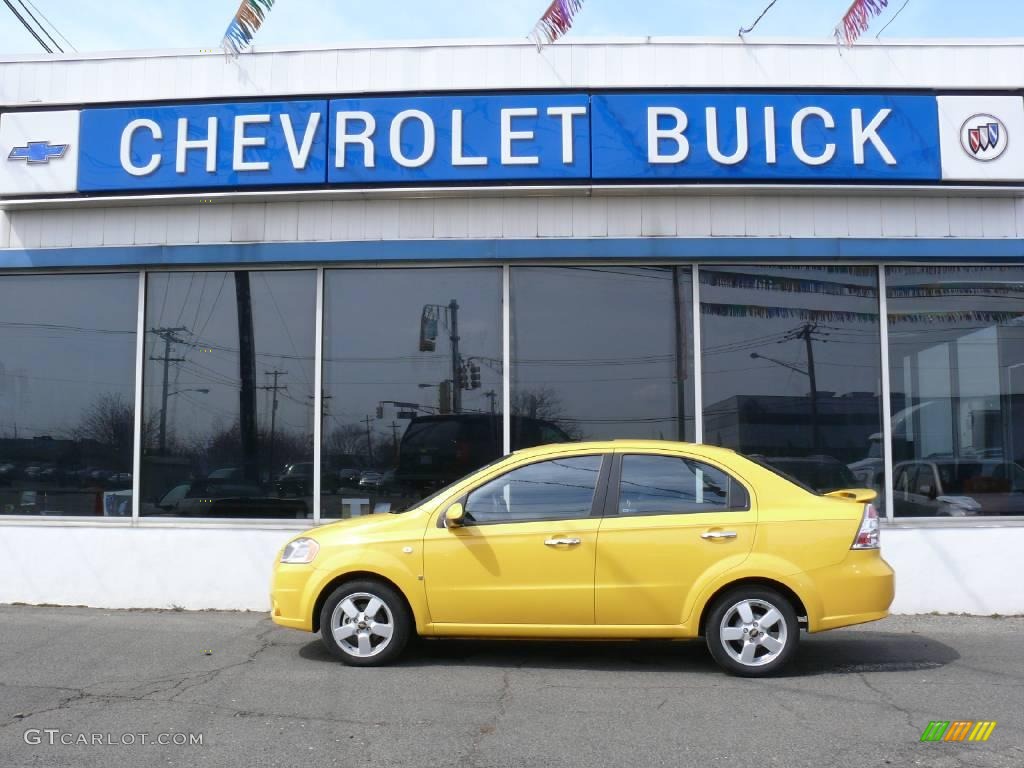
{"points": [[437, 450]]}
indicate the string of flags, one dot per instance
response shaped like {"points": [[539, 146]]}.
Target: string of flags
{"points": [[984, 317], [556, 21], [243, 27], [857, 19]]}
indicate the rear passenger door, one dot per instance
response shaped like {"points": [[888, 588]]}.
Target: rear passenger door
{"points": [[669, 519]]}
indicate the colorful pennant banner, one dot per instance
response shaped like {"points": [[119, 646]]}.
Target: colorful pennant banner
{"points": [[556, 21], [248, 19], [764, 282], [857, 19]]}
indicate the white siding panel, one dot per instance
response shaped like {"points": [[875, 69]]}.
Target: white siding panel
{"points": [[348, 220], [183, 224], [555, 217], [5, 230], [693, 216], [519, 218], [590, 217], [728, 217], [451, 221], [965, 217], [933, 216], [658, 217], [831, 216], [248, 222], [118, 226], [763, 216], [86, 227], [485, 217], [26, 229], [898, 218], [625, 216], [56, 230], [214, 223], [796, 216], [864, 216], [998, 218], [283, 222], [314, 221], [416, 219], [151, 225]]}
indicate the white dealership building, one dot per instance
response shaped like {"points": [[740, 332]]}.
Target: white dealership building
{"points": [[243, 296]]}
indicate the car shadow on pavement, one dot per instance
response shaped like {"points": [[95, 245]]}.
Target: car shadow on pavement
{"points": [[836, 652]]}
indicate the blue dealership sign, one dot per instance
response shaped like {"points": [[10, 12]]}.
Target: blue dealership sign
{"points": [[203, 146], [502, 138], [764, 136]]}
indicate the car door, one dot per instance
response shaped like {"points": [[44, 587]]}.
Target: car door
{"points": [[525, 551], [669, 518]]}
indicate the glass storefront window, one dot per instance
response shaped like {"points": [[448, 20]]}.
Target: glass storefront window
{"points": [[412, 384], [601, 353], [228, 394], [792, 370], [67, 390], [956, 373]]}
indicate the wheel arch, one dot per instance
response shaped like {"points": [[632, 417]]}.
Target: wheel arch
{"points": [[756, 581], [343, 578]]}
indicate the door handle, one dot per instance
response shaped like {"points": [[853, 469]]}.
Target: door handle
{"points": [[558, 542], [714, 535]]}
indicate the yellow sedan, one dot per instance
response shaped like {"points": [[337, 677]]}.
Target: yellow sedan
{"points": [[604, 540]]}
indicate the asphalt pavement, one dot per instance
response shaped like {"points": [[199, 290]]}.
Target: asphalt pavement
{"points": [[82, 687]]}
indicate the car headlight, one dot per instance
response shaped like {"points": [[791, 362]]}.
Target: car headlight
{"points": [[301, 550]]}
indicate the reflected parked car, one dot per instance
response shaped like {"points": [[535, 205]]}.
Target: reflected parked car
{"points": [[297, 480], [822, 474], [204, 499], [951, 487], [436, 450], [514, 550]]}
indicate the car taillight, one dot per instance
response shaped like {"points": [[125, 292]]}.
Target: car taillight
{"points": [[867, 535]]}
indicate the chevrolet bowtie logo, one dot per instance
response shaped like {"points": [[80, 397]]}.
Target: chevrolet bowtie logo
{"points": [[38, 152]]}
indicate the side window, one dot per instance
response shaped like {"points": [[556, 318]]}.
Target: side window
{"points": [[560, 489], [665, 485]]}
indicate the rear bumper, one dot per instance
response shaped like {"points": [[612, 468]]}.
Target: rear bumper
{"points": [[855, 591]]}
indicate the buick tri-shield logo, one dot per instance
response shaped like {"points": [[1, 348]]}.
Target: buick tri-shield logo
{"points": [[984, 137]]}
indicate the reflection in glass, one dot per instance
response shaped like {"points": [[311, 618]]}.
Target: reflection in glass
{"points": [[792, 369], [67, 384], [228, 394], [562, 489], [412, 384], [601, 353], [956, 371]]}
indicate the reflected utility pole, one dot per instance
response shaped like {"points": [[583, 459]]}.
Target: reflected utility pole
{"points": [[806, 333], [681, 358], [247, 379], [273, 412], [170, 336]]}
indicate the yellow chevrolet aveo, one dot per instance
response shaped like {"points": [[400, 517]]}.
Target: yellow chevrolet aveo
{"points": [[604, 540]]}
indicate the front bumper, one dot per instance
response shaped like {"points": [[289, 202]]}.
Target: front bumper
{"points": [[289, 596]]}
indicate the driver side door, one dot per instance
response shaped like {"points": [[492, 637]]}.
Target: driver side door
{"points": [[525, 552]]}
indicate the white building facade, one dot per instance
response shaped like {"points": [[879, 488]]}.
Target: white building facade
{"points": [[240, 297]]}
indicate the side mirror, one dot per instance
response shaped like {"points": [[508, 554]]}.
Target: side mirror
{"points": [[927, 490], [454, 515]]}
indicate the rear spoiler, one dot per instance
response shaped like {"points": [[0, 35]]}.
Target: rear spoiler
{"points": [[861, 495]]}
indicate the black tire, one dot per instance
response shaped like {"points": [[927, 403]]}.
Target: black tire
{"points": [[393, 611], [768, 656]]}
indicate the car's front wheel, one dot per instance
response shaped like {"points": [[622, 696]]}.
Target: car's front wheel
{"points": [[365, 623], [752, 631]]}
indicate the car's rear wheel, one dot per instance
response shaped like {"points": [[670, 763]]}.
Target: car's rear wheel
{"points": [[365, 623], [752, 631]]}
